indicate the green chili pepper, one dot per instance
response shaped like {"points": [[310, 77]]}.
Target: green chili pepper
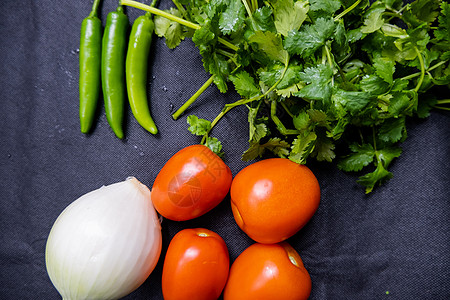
{"points": [[113, 68], [137, 68], [90, 57]]}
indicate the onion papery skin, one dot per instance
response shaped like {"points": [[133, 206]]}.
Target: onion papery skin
{"points": [[105, 244]]}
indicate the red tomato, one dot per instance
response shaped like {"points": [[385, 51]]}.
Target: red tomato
{"points": [[191, 183], [268, 271], [273, 199], [196, 266]]}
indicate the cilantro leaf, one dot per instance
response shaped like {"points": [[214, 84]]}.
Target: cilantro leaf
{"points": [[201, 127], [257, 127], [214, 62], [271, 74], [371, 179], [387, 154], [339, 127], [424, 106], [399, 85], [275, 145], [374, 85], [399, 103], [394, 31], [245, 84], [318, 83], [384, 157], [353, 102], [329, 6], [270, 44], [218, 65], [302, 121], [205, 35], [233, 17], [341, 45], [417, 38], [263, 19], [172, 31], [310, 37], [421, 11], [384, 68], [288, 83], [286, 80], [373, 20], [310, 118], [443, 31], [289, 15], [258, 131], [392, 130], [361, 157], [198, 126], [214, 145], [319, 117], [302, 147], [324, 149]]}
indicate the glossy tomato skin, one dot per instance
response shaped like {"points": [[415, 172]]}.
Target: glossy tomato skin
{"points": [[268, 271], [273, 199], [196, 266], [191, 183]]}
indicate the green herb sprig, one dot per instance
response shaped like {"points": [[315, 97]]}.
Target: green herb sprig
{"points": [[332, 74]]}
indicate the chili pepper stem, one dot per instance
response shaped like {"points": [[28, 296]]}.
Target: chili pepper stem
{"points": [[194, 97], [94, 10]]}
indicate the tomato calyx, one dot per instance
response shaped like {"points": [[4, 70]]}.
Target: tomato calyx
{"points": [[293, 255]]}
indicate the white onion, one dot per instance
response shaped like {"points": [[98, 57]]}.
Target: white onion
{"points": [[105, 244]]}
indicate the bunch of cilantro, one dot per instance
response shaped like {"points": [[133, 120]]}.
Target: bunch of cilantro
{"points": [[318, 76]]}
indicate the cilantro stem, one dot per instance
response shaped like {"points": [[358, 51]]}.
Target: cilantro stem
{"points": [[193, 98], [440, 102], [231, 56], [228, 44], [330, 62], [422, 69], [280, 126], [247, 7], [180, 8], [283, 104], [437, 65], [254, 5], [374, 140], [411, 76], [245, 101], [346, 11], [392, 14], [171, 17], [442, 107], [443, 101], [230, 106], [214, 122], [249, 12], [160, 13]]}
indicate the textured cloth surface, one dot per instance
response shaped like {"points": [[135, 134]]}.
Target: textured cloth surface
{"points": [[390, 244]]}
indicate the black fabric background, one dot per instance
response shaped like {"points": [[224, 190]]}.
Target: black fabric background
{"points": [[391, 244]]}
